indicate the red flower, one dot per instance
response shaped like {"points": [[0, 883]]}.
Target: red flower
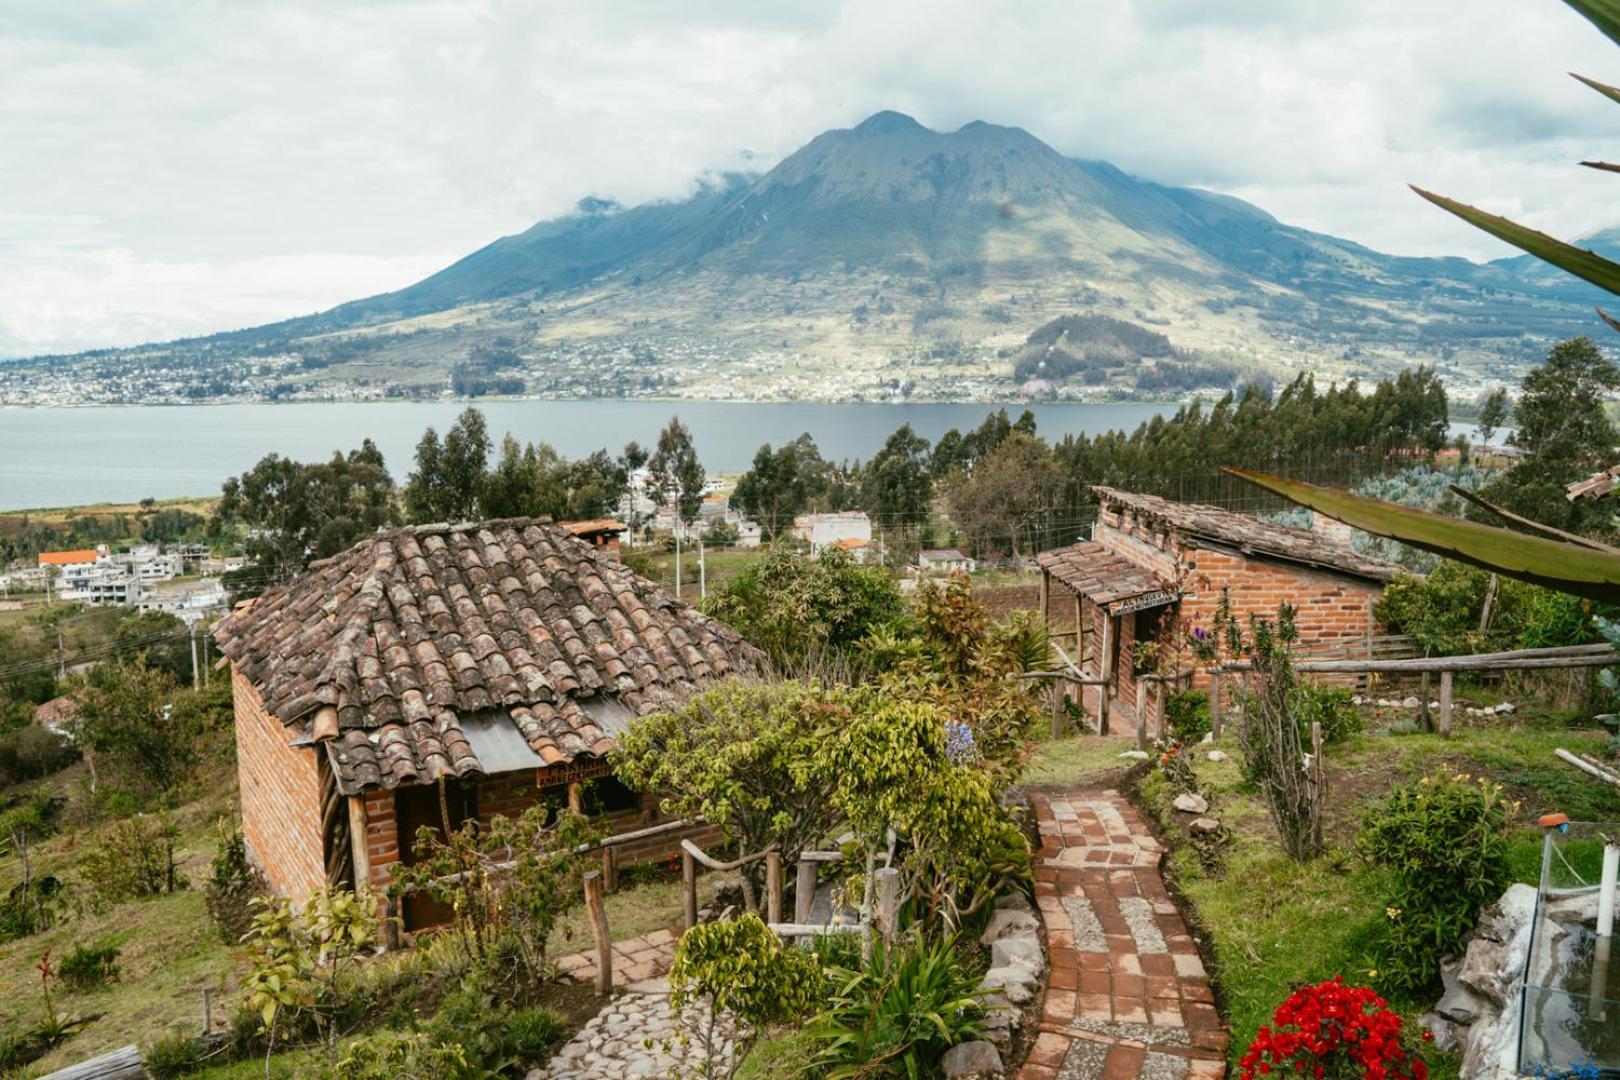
{"points": [[1348, 1030]]}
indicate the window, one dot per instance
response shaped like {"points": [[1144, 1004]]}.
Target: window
{"points": [[607, 795]]}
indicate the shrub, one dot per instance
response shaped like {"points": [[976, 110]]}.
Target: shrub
{"points": [[899, 1014], [133, 858], [88, 968], [1331, 707], [490, 1034], [28, 753], [1444, 838], [741, 969], [1334, 1030], [232, 884], [390, 1056], [1186, 714], [172, 1054]]}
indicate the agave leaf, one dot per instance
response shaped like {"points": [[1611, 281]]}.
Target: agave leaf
{"points": [[1603, 14], [1602, 166], [1554, 564], [1610, 92], [1584, 264]]}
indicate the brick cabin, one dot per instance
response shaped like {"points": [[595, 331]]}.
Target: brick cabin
{"points": [[498, 659], [1154, 570]]}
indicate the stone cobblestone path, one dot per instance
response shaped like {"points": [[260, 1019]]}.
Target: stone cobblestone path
{"points": [[1128, 995]]}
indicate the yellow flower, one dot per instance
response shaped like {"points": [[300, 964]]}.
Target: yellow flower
{"points": [[1392, 913], [1373, 974]]}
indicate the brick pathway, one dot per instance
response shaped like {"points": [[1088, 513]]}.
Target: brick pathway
{"points": [[634, 960], [1128, 995]]}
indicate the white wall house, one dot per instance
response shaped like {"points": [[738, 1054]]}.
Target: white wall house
{"points": [[825, 530], [942, 561]]}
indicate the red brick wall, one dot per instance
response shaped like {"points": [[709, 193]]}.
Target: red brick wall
{"points": [[281, 800]]}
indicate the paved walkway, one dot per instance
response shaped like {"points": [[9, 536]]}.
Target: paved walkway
{"points": [[634, 960], [1128, 995]]}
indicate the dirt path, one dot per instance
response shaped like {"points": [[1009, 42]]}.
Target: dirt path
{"points": [[1128, 994]]}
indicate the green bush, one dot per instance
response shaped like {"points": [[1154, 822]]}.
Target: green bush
{"points": [[1187, 715], [490, 1034], [1444, 839], [88, 968], [31, 752], [232, 884], [133, 858], [172, 1054], [899, 1014], [391, 1056], [1331, 707]]}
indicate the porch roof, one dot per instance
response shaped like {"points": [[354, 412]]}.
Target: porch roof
{"points": [[1107, 578]]}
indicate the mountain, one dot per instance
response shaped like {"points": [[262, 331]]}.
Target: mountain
{"points": [[891, 259]]}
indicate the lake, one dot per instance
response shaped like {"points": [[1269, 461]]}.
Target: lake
{"points": [[72, 456]]}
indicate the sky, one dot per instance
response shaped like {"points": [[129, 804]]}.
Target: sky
{"points": [[178, 167]]}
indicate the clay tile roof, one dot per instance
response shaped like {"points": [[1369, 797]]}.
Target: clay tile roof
{"points": [[68, 558], [1104, 576], [594, 525], [1249, 535], [410, 631]]}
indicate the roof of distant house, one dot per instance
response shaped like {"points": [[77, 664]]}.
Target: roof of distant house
{"points": [[406, 653], [831, 515], [68, 558], [942, 555], [593, 526], [850, 543], [1249, 535], [1595, 486], [56, 713]]}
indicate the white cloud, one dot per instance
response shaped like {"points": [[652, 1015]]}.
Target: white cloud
{"points": [[181, 166]]}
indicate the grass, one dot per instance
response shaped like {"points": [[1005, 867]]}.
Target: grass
{"points": [[1078, 760]]}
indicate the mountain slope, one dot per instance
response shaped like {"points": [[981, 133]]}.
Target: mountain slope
{"points": [[890, 258]]}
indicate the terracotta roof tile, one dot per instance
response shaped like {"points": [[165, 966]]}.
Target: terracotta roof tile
{"points": [[413, 629]]}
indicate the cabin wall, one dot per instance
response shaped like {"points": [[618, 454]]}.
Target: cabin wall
{"points": [[281, 797]]}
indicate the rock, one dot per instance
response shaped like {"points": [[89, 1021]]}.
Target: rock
{"points": [[975, 1059], [1205, 824], [1209, 737], [1447, 1035], [1010, 924], [1505, 707], [1190, 802], [1458, 1003], [1218, 755], [1017, 984], [1014, 901], [1410, 703], [1357, 699], [1134, 755], [1018, 952], [1503, 920], [1482, 969]]}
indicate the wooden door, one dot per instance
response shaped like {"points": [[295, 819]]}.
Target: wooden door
{"points": [[419, 806]]}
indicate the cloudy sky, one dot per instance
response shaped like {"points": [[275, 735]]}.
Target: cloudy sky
{"points": [[172, 167]]}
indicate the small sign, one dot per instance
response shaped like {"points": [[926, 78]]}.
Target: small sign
{"points": [[1142, 602], [568, 774]]}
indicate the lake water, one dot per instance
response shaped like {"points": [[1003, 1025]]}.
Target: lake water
{"points": [[67, 457]]}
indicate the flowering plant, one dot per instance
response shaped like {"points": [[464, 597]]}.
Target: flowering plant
{"points": [[1331, 1030]]}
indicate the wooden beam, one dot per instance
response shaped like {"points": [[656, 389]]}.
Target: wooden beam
{"points": [[689, 906], [357, 842], [1570, 656], [1106, 666], [804, 890], [1215, 703], [1141, 714], [773, 886]]}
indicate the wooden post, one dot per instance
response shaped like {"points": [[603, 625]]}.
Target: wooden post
{"points": [[688, 891], [1215, 703], [390, 927], [773, 886], [599, 930], [804, 891], [1141, 712], [886, 903], [359, 850], [1046, 596], [576, 798], [1445, 703], [1316, 781], [208, 1010], [1057, 708], [610, 869], [1105, 666]]}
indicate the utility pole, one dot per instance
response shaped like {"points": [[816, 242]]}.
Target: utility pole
{"points": [[678, 524], [61, 654], [703, 573], [196, 670]]}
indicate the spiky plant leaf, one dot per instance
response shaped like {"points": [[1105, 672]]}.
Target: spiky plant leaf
{"points": [[1578, 261], [1554, 564], [1610, 92], [1603, 14]]}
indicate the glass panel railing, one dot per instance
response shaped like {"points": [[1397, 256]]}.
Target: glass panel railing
{"points": [[1570, 1018]]}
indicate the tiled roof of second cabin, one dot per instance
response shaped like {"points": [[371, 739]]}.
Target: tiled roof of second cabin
{"points": [[1250, 535], [398, 653], [1100, 574]]}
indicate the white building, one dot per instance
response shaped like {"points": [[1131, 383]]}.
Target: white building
{"points": [[826, 530], [942, 561]]}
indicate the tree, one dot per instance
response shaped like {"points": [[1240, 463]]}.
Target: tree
{"points": [[448, 484], [1565, 435], [781, 484], [897, 485], [798, 609], [677, 475], [297, 512], [139, 739], [1007, 492], [159, 639], [1495, 411]]}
